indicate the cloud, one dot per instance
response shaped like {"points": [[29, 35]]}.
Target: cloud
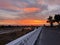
{"points": [[29, 10], [53, 2], [53, 7], [23, 9], [7, 15]]}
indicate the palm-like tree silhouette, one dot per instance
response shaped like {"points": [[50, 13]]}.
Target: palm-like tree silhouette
{"points": [[57, 18], [50, 20]]}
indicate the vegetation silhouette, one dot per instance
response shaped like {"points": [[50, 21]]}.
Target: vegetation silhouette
{"points": [[57, 18], [52, 20]]}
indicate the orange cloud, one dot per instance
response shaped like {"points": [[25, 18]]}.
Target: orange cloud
{"points": [[7, 22], [32, 22], [32, 9], [23, 22]]}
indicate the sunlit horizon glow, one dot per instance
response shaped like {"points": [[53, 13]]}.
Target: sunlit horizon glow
{"points": [[23, 22]]}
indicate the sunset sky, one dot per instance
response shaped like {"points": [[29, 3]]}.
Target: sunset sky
{"points": [[27, 12]]}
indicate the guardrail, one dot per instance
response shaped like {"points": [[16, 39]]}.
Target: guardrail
{"points": [[28, 39]]}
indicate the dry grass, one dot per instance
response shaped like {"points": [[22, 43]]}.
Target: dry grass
{"points": [[8, 37]]}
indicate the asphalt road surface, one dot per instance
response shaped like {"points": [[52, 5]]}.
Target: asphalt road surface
{"points": [[49, 36]]}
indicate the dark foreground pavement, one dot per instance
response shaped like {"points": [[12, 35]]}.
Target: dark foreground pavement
{"points": [[49, 36]]}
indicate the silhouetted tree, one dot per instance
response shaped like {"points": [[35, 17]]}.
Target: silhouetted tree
{"points": [[50, 20], [57, 18]]}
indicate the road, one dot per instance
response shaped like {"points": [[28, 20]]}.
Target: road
{"points": [[49, 36]]}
